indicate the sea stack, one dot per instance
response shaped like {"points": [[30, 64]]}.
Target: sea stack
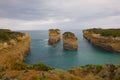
{"points": [[54, 36], [70, 41]]}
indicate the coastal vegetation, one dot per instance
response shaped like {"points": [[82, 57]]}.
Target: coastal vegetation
{"points": [[67, 35], [6, 35], [86, 72], [41, 66], [106, 32], [24, 66], [13, 46], [18, 70], [108, 39]]}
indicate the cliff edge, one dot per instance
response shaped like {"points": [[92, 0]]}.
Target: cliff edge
{"points": [[13, 46], [108, 39]]}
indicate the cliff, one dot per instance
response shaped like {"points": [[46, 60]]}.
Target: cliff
{"points": [[70, 41], [13, 46], [104, 38], [54, 36], [87, 72]]}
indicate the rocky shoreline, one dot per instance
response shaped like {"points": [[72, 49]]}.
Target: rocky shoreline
{"points": [[106, 42]]}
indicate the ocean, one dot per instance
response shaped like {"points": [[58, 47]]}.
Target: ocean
{"points": [[57, 57]]}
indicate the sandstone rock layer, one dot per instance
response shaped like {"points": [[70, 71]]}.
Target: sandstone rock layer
{"points": [[108, 43], [14, 50], [70, 41], [54, 36]]}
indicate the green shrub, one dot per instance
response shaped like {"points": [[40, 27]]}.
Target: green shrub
{"points": [[41, 66], [92, 68], [116, 77], [23, 66], [3, 67], [19, 66], [106, 32], [6, 35], [98, 68], [43, 78], [85, 66]]}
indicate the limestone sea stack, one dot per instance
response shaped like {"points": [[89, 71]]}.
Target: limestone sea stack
{"points": [[108, 39], [54, 36], [70, 41]]}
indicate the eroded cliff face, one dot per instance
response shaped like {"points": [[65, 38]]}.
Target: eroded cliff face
{"points": [[70, 41], [108, 43], [14, 50], [54, 36], [88, 72]]}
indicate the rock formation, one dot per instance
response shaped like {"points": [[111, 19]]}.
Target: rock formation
{"points": [[13, 46], [13, 50], [70, 41], [54, 36], [106, 42]]}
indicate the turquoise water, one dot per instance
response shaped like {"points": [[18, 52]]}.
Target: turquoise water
{"points": [[57, 57]]}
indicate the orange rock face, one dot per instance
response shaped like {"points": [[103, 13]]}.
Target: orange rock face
{"points": [[54, 36], [107, 43], [70, 41], [14, 50]]}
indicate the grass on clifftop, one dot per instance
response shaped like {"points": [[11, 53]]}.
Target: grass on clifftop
{"points": [[6, 35], [24, 66], [71, 35], [106, 32]]}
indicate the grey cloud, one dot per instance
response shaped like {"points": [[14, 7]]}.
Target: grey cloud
{"points": [[24, 9], [79, 11]]}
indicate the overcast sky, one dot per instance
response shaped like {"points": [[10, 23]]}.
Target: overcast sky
{"points": [[62, 14]]}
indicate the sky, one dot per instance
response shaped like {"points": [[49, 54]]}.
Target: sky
{"points": [[61, 14]]}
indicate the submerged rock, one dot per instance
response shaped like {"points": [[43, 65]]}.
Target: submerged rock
{"points": [[54, 36], [70, 41]]}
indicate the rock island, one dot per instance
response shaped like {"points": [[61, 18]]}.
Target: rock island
{"points": [[54, 36], [70, 41]]}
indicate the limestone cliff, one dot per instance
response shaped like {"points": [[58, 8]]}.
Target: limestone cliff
{"points": [[13, 47], [70, 41], [87, 72], [54, 36], [106, 42]]}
